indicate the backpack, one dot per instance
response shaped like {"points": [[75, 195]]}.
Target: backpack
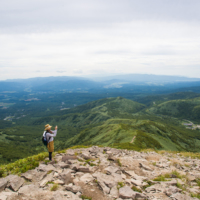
{"points": [[44, 139]]}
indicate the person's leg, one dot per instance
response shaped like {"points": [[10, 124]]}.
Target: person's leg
{"points": [[50, 155]]}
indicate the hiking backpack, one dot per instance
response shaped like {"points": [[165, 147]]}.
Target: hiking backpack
{"points": [[44, 139]]}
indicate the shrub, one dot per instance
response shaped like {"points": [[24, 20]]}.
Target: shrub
{"points": [[54, 187], [120, 185], [134, 188]]}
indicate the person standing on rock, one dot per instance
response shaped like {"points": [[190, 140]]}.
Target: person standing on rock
{"points": [[49, 136]]}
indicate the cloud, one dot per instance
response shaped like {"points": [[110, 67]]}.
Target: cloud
{"points": [[40, 38]]}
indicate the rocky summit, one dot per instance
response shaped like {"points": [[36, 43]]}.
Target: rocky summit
{"points": [[104, 173]]}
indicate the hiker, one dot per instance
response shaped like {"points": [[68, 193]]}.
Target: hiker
{"points": [[49, 136]]}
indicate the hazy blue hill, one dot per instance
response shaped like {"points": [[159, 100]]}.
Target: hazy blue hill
{"points": [[11, 86], [73, 85]]}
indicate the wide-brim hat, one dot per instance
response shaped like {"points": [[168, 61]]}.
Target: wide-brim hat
{"points": [[47, 127]]}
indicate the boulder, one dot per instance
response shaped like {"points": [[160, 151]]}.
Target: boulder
{"points": [[114, 192], [66, 176], [30, 190], [15, 182], [72, 188], [179, 196], [48, 178], [111, 170], [3, 184], [5, 195], [126, 193], [172, 190], [86, 178], [62, 165], [68, 157], [46, 168], [86, 156], [34, 175]]}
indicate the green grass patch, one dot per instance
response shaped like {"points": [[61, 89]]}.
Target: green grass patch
{"points": [[54, 187], [134, 188], [86, 197]]}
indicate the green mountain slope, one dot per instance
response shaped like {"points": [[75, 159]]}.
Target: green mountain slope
{"points": [[182, 108], [114, 122]]}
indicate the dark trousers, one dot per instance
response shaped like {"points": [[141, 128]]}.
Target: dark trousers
{"points": [[50, 155]]}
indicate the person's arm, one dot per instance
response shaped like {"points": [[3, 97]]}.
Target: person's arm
{"points": [[54, 133]]}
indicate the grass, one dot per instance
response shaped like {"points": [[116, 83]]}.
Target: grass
{"points": [[195, 195], [120, 185], [160, 178], [22, 165], [54, 187], [119, 163], [86, 197], [134, 188]]}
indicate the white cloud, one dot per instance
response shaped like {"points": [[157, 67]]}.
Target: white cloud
{"points": [[40, 38]]}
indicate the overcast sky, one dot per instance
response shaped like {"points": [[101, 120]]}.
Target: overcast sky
{"points": [[62, 37]]}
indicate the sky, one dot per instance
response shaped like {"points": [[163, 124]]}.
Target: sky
{"points": [[40, 38]]}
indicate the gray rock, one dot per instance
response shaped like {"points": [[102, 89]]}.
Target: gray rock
{"points": [[145, 167], [62, 165], [179, 196], [3, 184], [86, 156], [15, 182], [114, 192], [137, 182], [47, 179], [5, 195], [111, 170], [172, 190], [86, 178], [30, 190], [140, 196], [126, 192], [68, 157], [46, 168], [66, 176], [72, 188], [34, 175]]}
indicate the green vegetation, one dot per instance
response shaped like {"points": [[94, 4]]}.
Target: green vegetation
{"points": [[112, 121], [134, 188], [86, 197], [54, 187], [120, 185]]}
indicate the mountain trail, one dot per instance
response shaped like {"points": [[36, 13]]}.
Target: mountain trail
{"points": [[104, 173], [133, 139]]}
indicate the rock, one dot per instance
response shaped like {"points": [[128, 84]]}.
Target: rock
{"points": [[126, 192], [3, 184], [179, 196], [66, 176], [114, 192], [140, 196], [86, 178], [59, 182], [145, 167], [15, 182], [46, 168], [48, 178], [68, 157], [30, 190], [137, 182], [5, 195], [84, 169], [72, 188], [34, 175], [62, 165], [171, 190], [135, 176], [111, 170], [86, 156]]}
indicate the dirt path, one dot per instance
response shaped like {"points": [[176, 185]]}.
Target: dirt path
{"points": [[133, 139]]}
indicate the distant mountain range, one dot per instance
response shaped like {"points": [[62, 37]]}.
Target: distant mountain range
{"points": [[128, 82]]}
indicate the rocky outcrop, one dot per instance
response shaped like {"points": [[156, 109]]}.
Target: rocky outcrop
{"points": [[107, 174]]}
